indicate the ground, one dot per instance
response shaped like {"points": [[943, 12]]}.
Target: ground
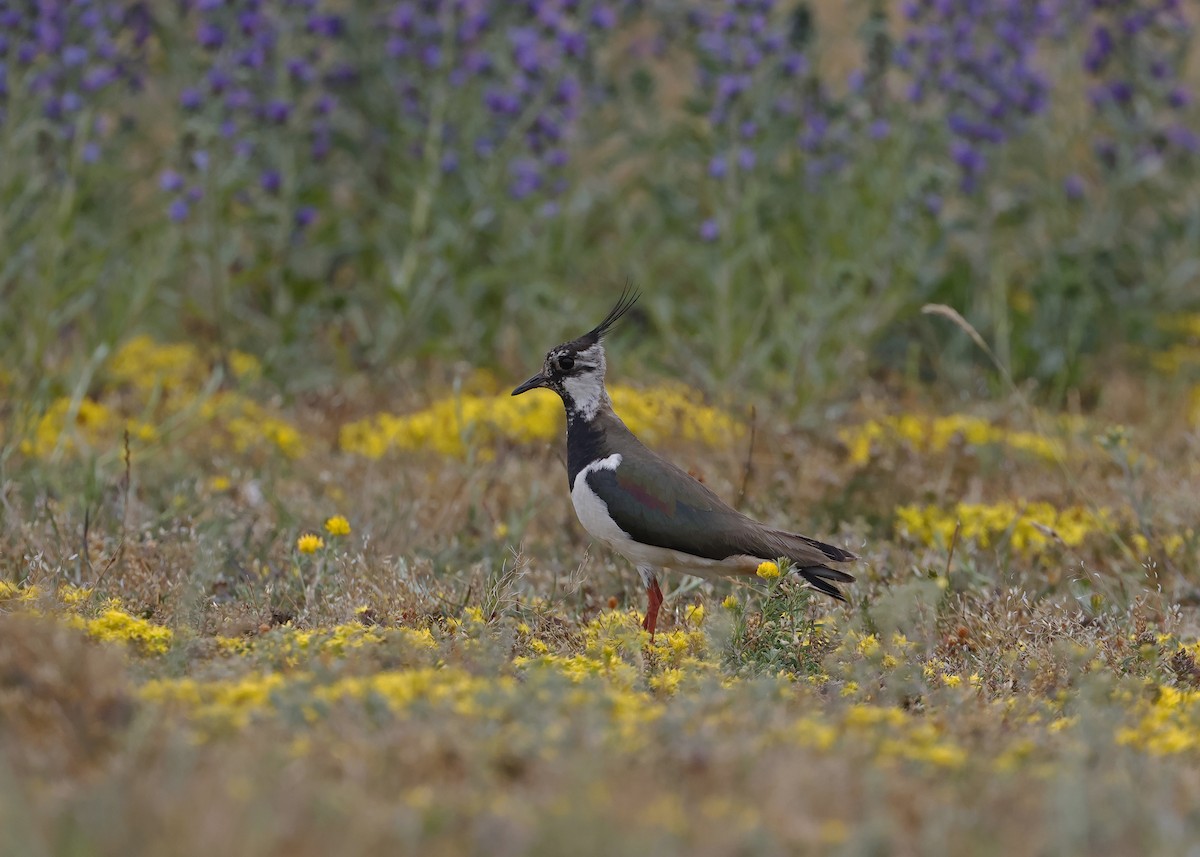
{"points": [[354, 622]]}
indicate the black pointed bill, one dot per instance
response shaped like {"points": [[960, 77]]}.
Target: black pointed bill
{"points": [[538, 380]]}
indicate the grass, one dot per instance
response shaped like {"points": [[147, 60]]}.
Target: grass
{"points": [[197, 656], [285, 570]]}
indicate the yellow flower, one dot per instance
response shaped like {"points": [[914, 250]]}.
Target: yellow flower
{"points": [[310, 543], [868, 645], [730, 602], [337, 526], [767, 570]]}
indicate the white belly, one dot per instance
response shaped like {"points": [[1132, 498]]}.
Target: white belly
{"points": [[593, 514]]}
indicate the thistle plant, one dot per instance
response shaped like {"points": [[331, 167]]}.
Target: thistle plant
{"points": [[977, 61], [259, 103], [1134, 58]]}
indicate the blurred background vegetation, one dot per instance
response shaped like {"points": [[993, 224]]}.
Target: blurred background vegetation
{"points": [[340, 190]]}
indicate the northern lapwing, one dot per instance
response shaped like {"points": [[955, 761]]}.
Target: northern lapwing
{"points": [[646, 508]]}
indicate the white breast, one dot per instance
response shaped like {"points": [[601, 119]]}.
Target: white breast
{"points": [[592, 511]]}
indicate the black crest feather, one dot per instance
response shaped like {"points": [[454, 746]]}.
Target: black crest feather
{"points": [[629, 296]]}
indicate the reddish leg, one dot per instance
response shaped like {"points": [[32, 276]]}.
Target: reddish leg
{"points": [[654, 601]]}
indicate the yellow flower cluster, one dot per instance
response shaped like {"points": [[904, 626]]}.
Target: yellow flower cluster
{"points": [[1180, 357], [242, 424], [114, 625], [337, 526], [17, 592], [934, 434], [453, 426], [895, 735], [147, 365], [67, 424], [230, 702], [613, 638], [170, 380], [1186, 324], [288, 644], [1170, 724], [1172, 544], [1031, 526]]}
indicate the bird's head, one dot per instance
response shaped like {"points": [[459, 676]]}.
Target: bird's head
{"points": [[575, 369]]}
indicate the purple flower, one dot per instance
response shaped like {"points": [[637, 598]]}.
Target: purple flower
{"points": [[709, 231], [178, 210], [717, 167], [218, 81], [304, 217], [1183, 138], [277, 112], [1099, 49], [746, 158], [300, 71], [74, 55], [170, 181], [603, 16], [526, 177], [190, 99], [1074, 187], [210, 36], [325, 105], [327, 26], [271, 181]]}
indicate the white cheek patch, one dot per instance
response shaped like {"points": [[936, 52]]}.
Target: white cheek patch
{"points": [[586, 389], [586, 392]]}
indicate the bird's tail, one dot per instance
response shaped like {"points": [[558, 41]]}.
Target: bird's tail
{"points": [[809, 556], [822, 578]]}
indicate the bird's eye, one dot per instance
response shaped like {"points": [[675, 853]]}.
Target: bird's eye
{"points": [[566, 363]]}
